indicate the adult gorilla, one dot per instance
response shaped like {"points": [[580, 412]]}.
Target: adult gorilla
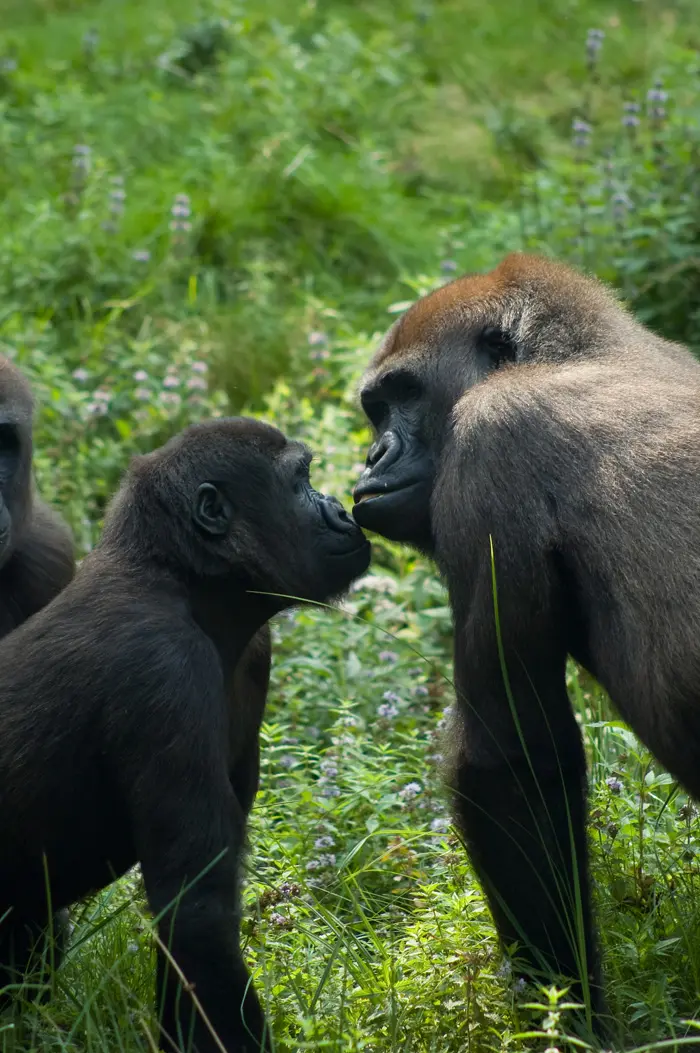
{"points": [[36, 548], [544, 448]]}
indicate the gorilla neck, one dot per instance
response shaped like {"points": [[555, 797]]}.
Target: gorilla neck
{"points": [[228, 614]]}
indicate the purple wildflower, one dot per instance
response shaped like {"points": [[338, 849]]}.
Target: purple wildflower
{"points": [[324, 842]]}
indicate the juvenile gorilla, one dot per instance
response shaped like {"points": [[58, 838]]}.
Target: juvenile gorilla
{"points": [[125, 733], [544, 448], [36, 549]]}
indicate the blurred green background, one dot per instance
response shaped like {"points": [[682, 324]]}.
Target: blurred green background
{"points": [[218, 205]]}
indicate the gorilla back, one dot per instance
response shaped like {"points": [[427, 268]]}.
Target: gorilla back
{"points": [[533, 436], [124, 733]]}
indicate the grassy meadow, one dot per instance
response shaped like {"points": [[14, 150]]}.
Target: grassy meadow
{"points": [[218, 206]]}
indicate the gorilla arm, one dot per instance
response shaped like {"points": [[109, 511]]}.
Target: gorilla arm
{"points": [[189, 831], [247, 692], [519, 768]]}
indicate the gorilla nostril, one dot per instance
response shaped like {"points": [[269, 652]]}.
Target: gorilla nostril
{"points": [[376, 452], [387, 448]]}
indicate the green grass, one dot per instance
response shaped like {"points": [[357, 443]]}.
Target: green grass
{"points": [[329, 151], [334, 154]]}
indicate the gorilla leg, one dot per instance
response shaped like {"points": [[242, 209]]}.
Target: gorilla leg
{"points": [[31, 950], [523, 821], [518, 778]]}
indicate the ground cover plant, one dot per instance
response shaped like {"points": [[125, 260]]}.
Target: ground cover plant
{"points": [[305, 175]]}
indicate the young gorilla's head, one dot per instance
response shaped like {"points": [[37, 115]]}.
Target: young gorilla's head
{"points": [[528, 310], [231, 499]]}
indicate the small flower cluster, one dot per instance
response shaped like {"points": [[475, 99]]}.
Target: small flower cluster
{"points": [[657, 99], [614, 785], [621, 203], [325, 861], [581, 133], [272, 896], [630, 116], [505, 972], [375, 582], [99, 406], [410, 791], [117, 199], [325, 841], [594, 43], [280, 920], [389, 708], [445, 718], [319, 342], [326, 783], [180, 212], [82, 155]]}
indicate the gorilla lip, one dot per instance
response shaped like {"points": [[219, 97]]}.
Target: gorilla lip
{"points": [[360, 496]]}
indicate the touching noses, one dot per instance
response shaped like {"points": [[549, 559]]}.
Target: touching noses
{"points": [[336, 517]]}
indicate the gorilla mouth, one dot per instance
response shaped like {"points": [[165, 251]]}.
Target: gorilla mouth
{"points": [[360, 496]]}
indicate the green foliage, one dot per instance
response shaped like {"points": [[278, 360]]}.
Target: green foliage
{"points": [[323, 149], [621, 199], [197, 198]]}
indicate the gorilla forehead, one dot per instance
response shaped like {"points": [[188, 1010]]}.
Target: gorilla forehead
{"points": [[223, 439], [504, 294], [14, 394], [215, 450], [238, 430]]}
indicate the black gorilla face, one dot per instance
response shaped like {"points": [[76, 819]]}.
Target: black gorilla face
{"points": [[337, 550], [392, 496], [241, 503]]}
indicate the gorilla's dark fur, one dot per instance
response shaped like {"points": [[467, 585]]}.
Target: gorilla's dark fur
{"points": [[130, 707], [525, 414], [36, 549]]}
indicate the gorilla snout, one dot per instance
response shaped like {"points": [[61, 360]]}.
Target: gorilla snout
{"points": [[336, 517], [383, 452]]}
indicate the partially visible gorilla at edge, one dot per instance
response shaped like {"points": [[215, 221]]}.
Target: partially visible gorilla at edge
{"points": [[36, 548], [544, 448]]}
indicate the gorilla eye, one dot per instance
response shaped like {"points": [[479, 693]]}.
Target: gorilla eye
{"points": [[301, 479], [498, 345], [403, 386], [375, 409], [9, 438]]}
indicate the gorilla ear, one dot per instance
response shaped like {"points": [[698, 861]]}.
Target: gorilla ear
{"points": [[212, 512], [499, 345]]}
